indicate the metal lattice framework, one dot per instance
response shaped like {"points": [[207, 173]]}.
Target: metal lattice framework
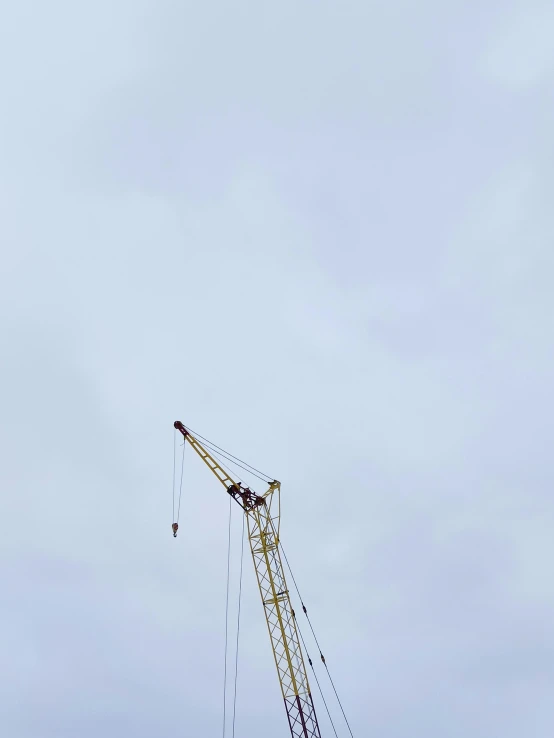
{"points": [[262, 515]]}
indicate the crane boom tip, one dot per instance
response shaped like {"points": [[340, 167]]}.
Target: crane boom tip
{"points": [[181, 428]]}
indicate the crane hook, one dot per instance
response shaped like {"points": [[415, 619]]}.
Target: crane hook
{"points": [[175, 528]]}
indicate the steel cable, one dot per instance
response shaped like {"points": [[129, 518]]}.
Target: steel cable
{"points": [[238, 624], [227, 619], [246, 467], [317, 643]]}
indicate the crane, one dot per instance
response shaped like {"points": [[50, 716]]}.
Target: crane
{"points": [[263, 517]]}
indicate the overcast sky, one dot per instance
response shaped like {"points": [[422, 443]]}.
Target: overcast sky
{"points": [[320, 234]]}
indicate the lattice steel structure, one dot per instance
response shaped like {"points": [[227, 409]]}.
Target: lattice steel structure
{"points": [[262, 516]]}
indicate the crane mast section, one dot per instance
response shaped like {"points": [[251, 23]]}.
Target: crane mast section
{"points": [[281, 624], [263, 517]]}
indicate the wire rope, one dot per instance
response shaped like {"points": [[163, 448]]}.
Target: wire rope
{"points": [[227, 619], [174, 463], [316, 679], [317, 642], [228, 458], [252, 468], [181, 484], [238, 624]]}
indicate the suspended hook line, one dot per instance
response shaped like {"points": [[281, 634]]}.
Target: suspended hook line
{"points": [[174, 462], [181, 484]]}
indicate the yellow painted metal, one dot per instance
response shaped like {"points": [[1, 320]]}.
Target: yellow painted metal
{"points": [[263, 535]]}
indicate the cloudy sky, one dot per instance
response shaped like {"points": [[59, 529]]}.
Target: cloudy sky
{"points": [[320, 234]]}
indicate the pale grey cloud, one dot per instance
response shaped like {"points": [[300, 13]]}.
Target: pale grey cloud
{"points": [[520, 53], [319, 235]]}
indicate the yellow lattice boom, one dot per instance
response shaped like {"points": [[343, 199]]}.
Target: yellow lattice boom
{"points": [[263, 518]]}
